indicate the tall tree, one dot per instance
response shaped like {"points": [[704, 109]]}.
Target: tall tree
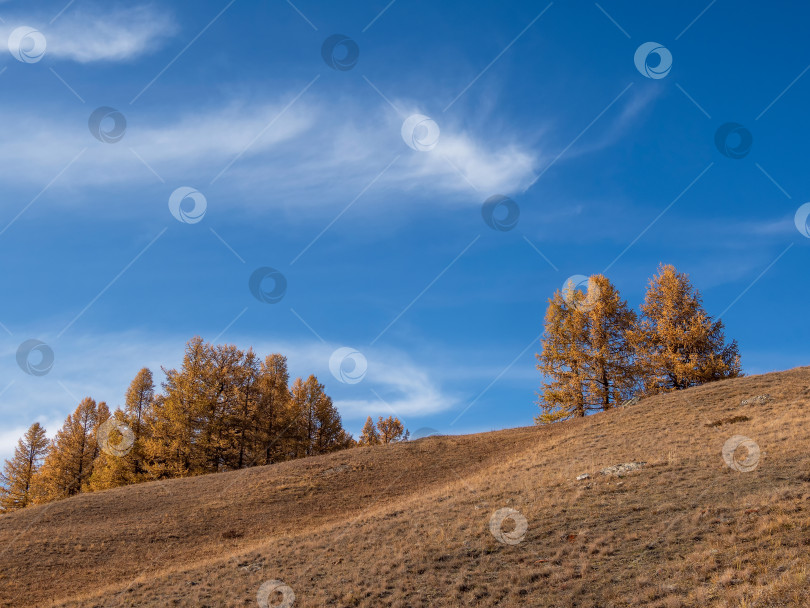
{"points": [[274, 422], [113, 469], [218, 396], [19, 472], [140, 398], [114, 465], [586, 358], [245, 413], [390, 429], [611, 368], [171, 447], [563, 361], [330, 435], [69, 463], [677, 343], [319, 426]]}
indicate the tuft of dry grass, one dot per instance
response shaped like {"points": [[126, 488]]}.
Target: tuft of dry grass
{"points": [[410, 524], [729, 420]]}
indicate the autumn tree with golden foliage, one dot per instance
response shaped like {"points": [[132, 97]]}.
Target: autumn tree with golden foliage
{"points": [[273, 413], [586, 358], [610, 370], [369, 436], [16, 480], [69, 463], [113, 470], [140, 398], [677, 343], [390, 429], [320, 429]]}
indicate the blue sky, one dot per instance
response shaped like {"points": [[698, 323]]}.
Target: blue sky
{"points": [[304, 168]]}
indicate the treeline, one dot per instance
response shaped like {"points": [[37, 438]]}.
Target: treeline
{"points": [[597, 352], [224, 409]]}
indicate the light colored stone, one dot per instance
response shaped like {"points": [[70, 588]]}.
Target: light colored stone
{"points": [[621, 469], [756, 399]]}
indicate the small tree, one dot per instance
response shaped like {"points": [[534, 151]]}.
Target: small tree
{"points": [[369, 435], [390, 429], [19, 472], [677, 344]]}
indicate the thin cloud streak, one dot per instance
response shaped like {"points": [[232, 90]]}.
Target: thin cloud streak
{"points": [[84, 36]]}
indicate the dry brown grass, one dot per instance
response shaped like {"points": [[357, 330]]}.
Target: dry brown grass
{"points": [[408, 525]]}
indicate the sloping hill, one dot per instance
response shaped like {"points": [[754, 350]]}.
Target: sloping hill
{"points": [[409, 524]]}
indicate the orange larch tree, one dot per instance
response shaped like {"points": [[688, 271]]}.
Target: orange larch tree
{"points": [[677, 343]]}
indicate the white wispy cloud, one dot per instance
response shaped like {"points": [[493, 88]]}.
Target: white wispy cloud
{"points": [[102, 34], [290, 149]]}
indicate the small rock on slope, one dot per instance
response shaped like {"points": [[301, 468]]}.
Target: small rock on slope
{"points": [[621, 469]]}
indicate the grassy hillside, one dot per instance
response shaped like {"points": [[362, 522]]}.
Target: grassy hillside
{"points": [[409, 524]]}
